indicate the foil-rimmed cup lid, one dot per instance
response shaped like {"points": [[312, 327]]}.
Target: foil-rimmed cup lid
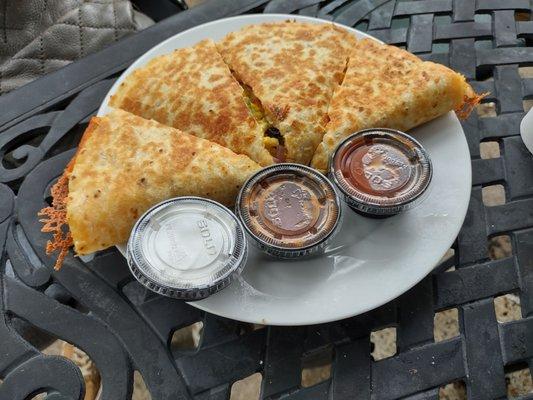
{"points": [[381, 171], [187, 248], [289, 210]]}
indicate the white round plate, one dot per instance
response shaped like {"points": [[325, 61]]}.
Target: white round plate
{"points": [[370, 261], [526, 130]]}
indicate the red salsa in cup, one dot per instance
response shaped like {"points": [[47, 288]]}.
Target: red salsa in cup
{"points": [[381, 172]]}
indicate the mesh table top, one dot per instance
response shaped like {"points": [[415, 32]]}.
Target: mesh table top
{"points": [[98, 307]]}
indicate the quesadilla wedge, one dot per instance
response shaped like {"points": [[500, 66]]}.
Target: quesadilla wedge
{"points": [[290, 71], [387, 87], [191, 89], [123, 166]]}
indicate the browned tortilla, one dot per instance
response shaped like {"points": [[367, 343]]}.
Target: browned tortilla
{"points": [[193, 90], [293, 68], [387, 87], [125, 164]]}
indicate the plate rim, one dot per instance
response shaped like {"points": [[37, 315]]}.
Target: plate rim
{"points": [[141, 60]]}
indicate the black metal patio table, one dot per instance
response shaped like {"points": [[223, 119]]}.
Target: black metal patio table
{"points": [[98, 306]]}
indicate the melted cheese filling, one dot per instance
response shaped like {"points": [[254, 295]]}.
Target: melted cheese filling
{"points": [[272, 140]]}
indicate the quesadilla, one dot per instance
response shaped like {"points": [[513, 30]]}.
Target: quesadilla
{"points": [[191, 89], [387, 87], [289, 71], [123, 166]]}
